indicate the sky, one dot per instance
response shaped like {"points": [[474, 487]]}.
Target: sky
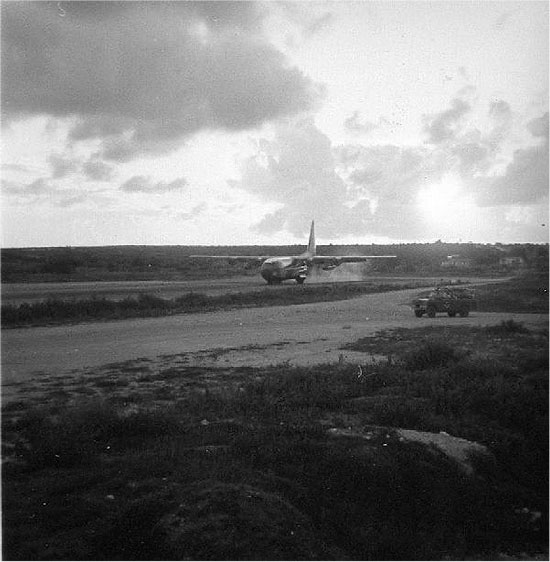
{"points": [[239, 122]]}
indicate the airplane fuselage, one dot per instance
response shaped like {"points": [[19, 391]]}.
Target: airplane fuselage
{"points": [[278, 269]]}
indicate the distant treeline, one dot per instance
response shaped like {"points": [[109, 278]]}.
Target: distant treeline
{"points": [[174, 262]]}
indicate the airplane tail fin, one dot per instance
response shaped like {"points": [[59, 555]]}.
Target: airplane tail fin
{"points": [[311, 244]]}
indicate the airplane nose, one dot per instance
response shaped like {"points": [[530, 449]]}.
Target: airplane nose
{"points": [[270, 270]]}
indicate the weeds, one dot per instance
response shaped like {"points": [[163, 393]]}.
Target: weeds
{"points": [[55, 311], [528, 293], [99, 482], [508, 327], [431, 354]]}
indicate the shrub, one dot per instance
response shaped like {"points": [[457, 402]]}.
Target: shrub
{"points": [[430, 355]]}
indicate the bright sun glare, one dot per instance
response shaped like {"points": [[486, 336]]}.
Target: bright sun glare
{"points": [[445, 205]]}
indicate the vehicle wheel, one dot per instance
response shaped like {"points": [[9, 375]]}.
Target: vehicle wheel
{"points": [[464, 313], [431, 312], [418, 313], [452, 313], [300, 280]]}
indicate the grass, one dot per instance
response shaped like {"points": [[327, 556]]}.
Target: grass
{"points": [[55, 311], [526, 293], [248, 468]]}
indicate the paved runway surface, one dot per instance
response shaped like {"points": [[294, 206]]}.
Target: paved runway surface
{"points": [[301, 334], [16, 293]]}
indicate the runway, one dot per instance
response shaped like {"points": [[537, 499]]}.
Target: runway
{"points": [[299, 334], [16, 293]]}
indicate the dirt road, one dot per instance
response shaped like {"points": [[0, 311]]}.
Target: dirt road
{"points": [[302, 334]]}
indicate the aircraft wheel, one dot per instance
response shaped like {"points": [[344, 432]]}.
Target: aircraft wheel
{"points": [[452, 313], [431, 312], [300, 280], [418, 313], [464, 313]]}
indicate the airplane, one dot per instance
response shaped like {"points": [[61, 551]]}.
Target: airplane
{"points": [[276, 269]]}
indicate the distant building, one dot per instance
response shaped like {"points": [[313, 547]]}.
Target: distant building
{"points": [[457, 262]]}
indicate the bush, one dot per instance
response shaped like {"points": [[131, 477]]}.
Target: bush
{"points": [[430, 355]]}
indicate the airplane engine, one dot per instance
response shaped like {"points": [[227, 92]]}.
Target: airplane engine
{"points": [[329, 267]]}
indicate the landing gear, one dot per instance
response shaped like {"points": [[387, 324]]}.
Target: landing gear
{"points": [[418, 313], [300, 280], [431, 311]]}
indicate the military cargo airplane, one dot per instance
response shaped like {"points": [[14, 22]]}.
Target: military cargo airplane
{"points": [[276, 269]]}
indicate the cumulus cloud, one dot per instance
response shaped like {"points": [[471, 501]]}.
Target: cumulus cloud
{"points": [[96, 170], [144, 184], [377, 189], [298, 170], [443, 126], [390, 177], [141, 76], [525, 179], [500, 109], [391, 171]]}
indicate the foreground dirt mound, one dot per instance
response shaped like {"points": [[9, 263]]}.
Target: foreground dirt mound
{"points": [[217, 521]]}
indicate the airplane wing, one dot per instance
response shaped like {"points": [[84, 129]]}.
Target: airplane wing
{"points": [[241, 258], [337, 260]]}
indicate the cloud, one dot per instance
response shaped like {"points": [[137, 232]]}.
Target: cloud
{"points": [[95, 170], [298, 171], [44, 191], [15, 167], [525, 180], [360, 189], [538, 127], [141, 76], [62, 166], [36, 188], [194, 212], [391, 171], [499, 109], [72, 200], [473, 157], [444, 126], [144, 184], [355, 125]]}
